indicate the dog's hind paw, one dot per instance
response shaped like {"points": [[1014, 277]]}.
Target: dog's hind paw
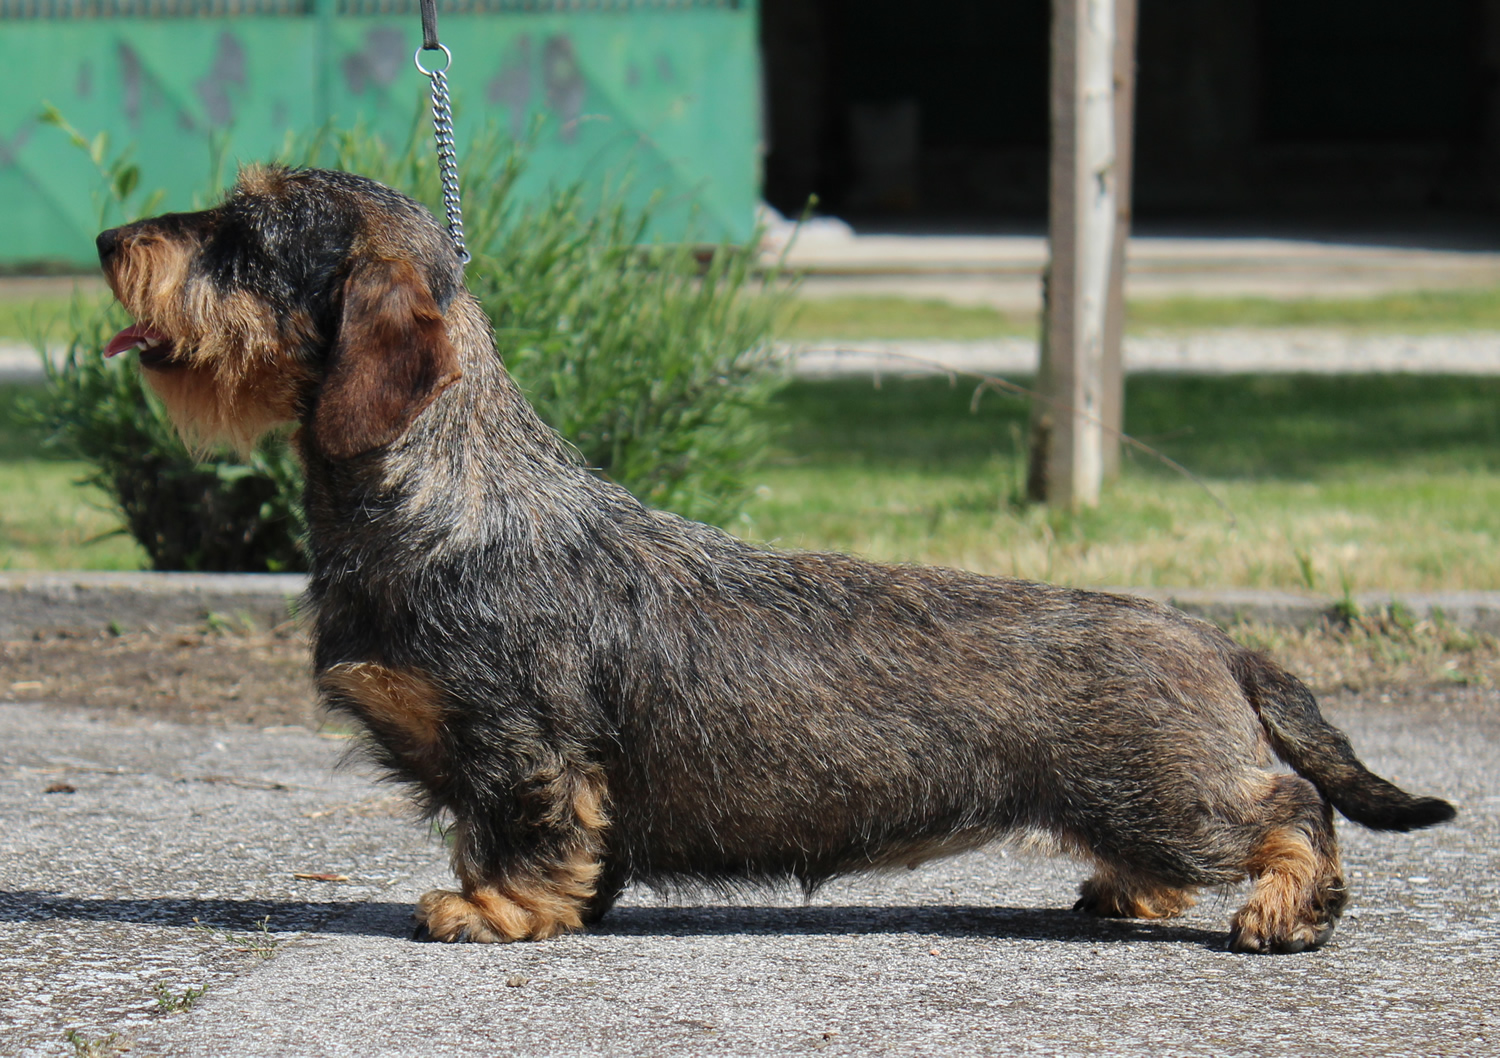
{"points": [[1257, 933]]}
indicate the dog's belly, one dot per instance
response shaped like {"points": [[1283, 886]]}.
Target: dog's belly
{"points": [[812, 786]]}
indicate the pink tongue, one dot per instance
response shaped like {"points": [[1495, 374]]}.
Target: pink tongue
{"points": [[131, 337]]}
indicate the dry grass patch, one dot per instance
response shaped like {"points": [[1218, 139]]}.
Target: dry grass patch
{"points": [[1384, 649]]}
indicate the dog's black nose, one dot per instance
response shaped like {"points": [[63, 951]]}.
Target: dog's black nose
{"points": [[108, 242]]}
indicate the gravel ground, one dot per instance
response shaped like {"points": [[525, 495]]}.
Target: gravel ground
{"points": [[180, 841]]}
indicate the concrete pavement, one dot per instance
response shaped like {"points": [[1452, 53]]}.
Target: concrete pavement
{"points": [[92, 602], [153, 878], [159, 866]]}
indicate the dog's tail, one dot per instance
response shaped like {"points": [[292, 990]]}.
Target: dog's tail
{"points": [[1321, 754]]}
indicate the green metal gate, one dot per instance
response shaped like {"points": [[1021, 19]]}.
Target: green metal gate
{"points": [[661, 94]]}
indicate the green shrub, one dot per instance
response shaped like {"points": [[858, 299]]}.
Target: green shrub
{"points": [[655, 361]]}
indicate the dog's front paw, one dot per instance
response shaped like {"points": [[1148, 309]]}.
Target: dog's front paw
{"points": [[487, 915], [452, 917]]}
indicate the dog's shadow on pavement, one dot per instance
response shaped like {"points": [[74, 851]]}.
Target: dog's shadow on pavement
{"points": [[213, 915], [932, 920], [376, 918]]}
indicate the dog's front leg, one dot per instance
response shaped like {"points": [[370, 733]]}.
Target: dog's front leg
{"points": [[527, 848], [531, 889]]}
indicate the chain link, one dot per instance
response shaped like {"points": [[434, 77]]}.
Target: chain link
{"points": [[442, 127]]}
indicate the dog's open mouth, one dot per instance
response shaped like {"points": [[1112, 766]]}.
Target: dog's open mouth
{"points": [[155, 347]]}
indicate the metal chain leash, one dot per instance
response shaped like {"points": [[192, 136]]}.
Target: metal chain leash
{"points": [[442, 127]]}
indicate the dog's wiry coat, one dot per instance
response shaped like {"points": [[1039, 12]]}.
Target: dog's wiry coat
{"points": [[599, 693]]}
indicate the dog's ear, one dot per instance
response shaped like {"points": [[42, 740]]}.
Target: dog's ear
{"points": [[390, 360]]}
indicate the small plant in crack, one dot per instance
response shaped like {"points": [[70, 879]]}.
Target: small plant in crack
{"points": [[169, 1002], [262, 942], [85, 1046]]}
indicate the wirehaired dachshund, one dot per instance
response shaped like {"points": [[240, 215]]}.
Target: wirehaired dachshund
{"points": [[597, 693]]}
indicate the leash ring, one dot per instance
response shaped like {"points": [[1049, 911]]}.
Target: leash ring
{"points": [[417, 58]]}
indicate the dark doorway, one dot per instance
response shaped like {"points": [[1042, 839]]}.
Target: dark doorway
{"points": [[901, 114]]}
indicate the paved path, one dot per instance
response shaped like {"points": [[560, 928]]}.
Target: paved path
{"points": [[1229, 351], [1005, 271], [104, 893]]}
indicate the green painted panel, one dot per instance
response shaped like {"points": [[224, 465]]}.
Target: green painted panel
{"points": [[165, 87], [662, 101]]}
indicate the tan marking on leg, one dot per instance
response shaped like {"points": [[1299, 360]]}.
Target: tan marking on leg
{"points": [[527, 906], [1110, 894], [553, 900], [532, 901], [402, 708], [1297, 897]]}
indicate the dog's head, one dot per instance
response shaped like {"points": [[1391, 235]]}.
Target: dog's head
{"points": [[305, 295]]}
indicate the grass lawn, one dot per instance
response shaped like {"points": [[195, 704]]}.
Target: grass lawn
{"points": [[21, 318], [1336, 484], [875, 318], [47, 519]]}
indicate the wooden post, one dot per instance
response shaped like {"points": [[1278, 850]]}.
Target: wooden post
{"points": [[1067, 432], [1114, 307]]}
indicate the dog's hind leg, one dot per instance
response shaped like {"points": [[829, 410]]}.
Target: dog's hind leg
{"points": [[1299, 888], [550, 890], [1276, 829], [1114, 893]]}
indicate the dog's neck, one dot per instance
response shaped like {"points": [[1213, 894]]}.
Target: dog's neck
{"points": [[477, 469]]}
